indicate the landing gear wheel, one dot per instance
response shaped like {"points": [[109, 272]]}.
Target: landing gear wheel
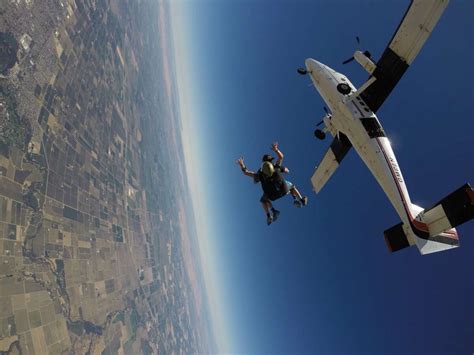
{"points": [[302, 71], [319, 134], [343, 88]]}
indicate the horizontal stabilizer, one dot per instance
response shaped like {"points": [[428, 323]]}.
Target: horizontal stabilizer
{"points": [[433, 229], [453, 210], [396, 238]]}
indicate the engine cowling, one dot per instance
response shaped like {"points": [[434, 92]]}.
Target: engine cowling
{"points": [[365, 61]]}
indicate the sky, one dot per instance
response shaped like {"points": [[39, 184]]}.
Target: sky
{"points": [[320, 279]]}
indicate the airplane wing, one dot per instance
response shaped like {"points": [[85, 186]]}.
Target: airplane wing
{"points": [[331, 160], [412, 33]]}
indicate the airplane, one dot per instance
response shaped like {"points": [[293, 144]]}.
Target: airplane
{"points": [[352, 121]]}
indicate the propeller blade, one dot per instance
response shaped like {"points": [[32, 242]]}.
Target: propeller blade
{"points": [[366, 53], [326, 110], [348, 60], [320, 123]]}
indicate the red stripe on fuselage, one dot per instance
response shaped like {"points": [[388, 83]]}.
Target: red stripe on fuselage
{"points": [[418, 224]]}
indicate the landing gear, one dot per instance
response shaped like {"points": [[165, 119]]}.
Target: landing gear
{"points": [[319, 134], [302, 71], [343, 88]]}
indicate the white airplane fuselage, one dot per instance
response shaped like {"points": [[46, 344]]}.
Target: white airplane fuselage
{"points": [[351, 116]]}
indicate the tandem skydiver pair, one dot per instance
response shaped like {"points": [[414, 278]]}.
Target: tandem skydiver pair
{"points": [[273, 183]]}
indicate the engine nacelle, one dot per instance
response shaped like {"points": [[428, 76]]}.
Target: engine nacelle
{"points": [[329, 127], [365, 61]]}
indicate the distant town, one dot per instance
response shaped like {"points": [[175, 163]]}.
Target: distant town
{"points": [[97, 238]]}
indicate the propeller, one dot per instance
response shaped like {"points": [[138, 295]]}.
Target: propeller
{"points": [[348, 60], [366, 53]]}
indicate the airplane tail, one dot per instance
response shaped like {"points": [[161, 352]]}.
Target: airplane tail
{"points": [[432, 229]]}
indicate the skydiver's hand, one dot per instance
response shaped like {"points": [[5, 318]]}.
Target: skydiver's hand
{"points": [[240, 162], [285, 170], [274, 146]]}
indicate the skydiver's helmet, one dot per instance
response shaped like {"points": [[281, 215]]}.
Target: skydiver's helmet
{"points": [[267, 157], [267, 169]]}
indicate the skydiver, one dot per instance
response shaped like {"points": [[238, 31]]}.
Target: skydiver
{"points": [[299, 201], [273, 183]]}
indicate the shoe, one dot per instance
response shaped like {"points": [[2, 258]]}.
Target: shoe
{"points": [[276, 213], [269, 220], [304, 201], [297, 203]]}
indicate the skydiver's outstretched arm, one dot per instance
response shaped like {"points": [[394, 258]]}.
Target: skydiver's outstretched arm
{"points": [[244, 169], [279, 154]]}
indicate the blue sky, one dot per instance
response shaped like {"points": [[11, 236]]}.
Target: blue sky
{"points": [[320, 280]]}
